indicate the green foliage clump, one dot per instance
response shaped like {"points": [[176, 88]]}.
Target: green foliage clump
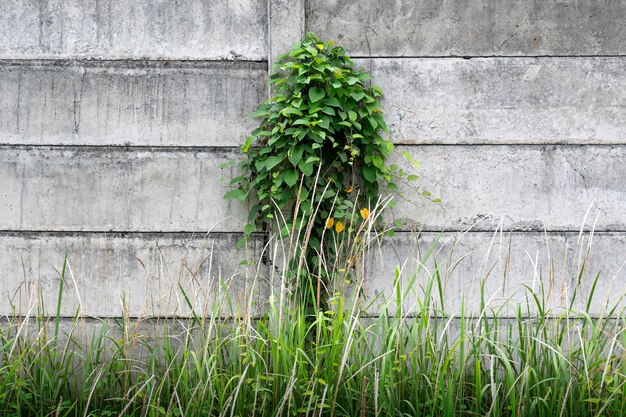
{"points": [[319, 143]]}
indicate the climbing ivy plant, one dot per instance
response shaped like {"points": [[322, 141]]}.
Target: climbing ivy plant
{"points": [[319, 141]]}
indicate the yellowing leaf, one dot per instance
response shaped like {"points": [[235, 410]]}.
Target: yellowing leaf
{"points": [[330, 222], [339, 227]]}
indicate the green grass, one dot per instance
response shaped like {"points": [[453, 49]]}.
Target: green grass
{"points": [[345, 360]]}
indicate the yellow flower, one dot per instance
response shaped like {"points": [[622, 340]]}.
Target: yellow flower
{"points": [[365, 213], [349, 189], [330, 222], [339, 227]]}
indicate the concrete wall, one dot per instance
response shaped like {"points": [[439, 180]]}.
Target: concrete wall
{"points": [[116, 116]]}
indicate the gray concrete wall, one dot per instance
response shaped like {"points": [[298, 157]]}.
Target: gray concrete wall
{"points": [[162, 29], [144, 103], [115, 118], [138, 274], [471, 28]]}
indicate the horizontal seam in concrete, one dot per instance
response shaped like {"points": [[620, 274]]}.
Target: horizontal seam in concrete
{"points": [[512, 144], [468, 57], [204, 233], [119, 233], [165, 318], [509, 142], [130, 148], [510, 230], [137, 63], [200, 148]]}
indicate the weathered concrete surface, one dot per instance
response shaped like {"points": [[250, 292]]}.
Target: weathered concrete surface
{"points": [[102, 189], [139, 275], [503, 100], [136, 275], [286, 25], [133, 337], [471, 28], [549, 100], [526, 187], [206, 104], [502, 263], [109, 29]]}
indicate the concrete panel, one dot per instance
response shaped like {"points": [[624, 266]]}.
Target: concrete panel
{"points": [[137, 275], [524, 187], [139, 336], [502, 263], [503, 100], [206, 104], [102, 189], [286, 25], [109, 29], [471, 28]]}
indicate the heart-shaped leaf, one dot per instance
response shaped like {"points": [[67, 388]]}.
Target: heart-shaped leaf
{"points": [[316, 94]]}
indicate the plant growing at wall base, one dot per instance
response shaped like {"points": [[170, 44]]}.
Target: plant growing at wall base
{"points": [[319, 142]]}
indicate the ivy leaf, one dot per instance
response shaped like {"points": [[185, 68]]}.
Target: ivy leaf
{"points": [[382, 124], [272, 161], [316, 94], [372, 121], [237, 179], [333, 102], [236, 194], [307, 169], [325, 122], [259, 113], [292, 110], [369, 172], [291, 177], [241, 243], [357, 95], [296, 52], [296, 155]]}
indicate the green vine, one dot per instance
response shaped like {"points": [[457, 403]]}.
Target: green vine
{"points": [[319, 143]]}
